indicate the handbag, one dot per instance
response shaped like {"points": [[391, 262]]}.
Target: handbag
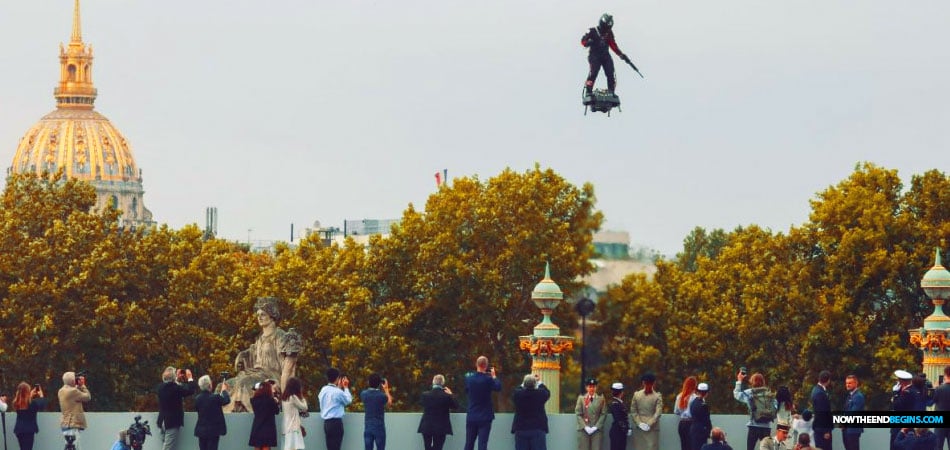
{"points": [[303, 431]]}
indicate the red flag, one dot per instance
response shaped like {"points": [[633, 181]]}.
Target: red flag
{"points": [[438, 179]]}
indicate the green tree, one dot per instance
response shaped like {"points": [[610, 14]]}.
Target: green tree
{"points": [[468, 265], [838, 292]]}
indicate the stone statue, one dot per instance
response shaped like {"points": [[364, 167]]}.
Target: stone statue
{"points": [[273, 356]]}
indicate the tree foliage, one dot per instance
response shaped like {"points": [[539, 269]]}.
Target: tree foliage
{"points": [[838, 292], [81, 293]]}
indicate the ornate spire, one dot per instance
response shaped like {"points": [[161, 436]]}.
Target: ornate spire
{"points": [[75, 89], [77, 28]]}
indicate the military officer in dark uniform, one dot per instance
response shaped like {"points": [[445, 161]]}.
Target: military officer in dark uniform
{"points": [[702, 424], [905, 398], [620, 428]]}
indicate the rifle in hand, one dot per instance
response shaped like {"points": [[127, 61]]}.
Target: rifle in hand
{"points": [[627, 60]]}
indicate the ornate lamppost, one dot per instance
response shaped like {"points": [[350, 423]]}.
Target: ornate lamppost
{"points": [[546, 345], [934, 337]]}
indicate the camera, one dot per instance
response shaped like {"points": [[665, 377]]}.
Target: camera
{"points": [[225, 375], [743, 371], [137, 432]]}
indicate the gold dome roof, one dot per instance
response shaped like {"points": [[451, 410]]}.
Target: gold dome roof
{"points": [[80, 141]]}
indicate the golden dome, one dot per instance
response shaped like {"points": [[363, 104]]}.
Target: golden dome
{"points": [[82, 142]]}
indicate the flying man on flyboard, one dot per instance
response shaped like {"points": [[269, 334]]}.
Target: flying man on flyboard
{"points": [[600, 40]]}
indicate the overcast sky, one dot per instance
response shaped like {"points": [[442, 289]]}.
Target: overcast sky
{"points": [[291, 111]]}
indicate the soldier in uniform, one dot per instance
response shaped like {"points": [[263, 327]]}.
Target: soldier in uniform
{"points": [[778, 442], [906, 396], [702, 424], [645, 410], [590, 410], [620, 428]]}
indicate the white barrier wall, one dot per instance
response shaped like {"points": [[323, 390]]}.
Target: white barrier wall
{"points": [[400, 432]]}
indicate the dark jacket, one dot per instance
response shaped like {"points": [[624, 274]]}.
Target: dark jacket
{"points": [[171, 414], [620, 414], [820, 405], [599, 42], [26, 418], [210, 416], [716, 446], [479, 386], [702, 423], [906, 399], [942, 397], [436, 404], [529, 409], [912, 441], [264, 426]]}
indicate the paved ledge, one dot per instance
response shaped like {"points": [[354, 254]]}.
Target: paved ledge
{"points": [[400, 432]]}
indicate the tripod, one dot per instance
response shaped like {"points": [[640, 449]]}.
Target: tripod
{"points": [[70, 442]]}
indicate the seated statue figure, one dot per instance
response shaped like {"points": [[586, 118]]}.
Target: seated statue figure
{"points": [[273, 356]]}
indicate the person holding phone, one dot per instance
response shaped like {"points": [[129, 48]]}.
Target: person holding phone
{"points": [[334, 398], [375, 399], [479, 385], [27, 402], [71, 398], [210, 425], [177, 384], [435, 423]]}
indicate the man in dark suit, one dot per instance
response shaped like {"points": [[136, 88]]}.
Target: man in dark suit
{"points": [[530, 424], [176, 385], [942, 403], [702, 424], [821, 406], [479, 385], [435, 423], [210, 426]]}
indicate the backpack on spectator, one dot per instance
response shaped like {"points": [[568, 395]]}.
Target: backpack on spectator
{"points": [[762, 405]]}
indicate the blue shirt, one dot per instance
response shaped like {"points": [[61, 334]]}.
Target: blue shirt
{"points": [[479, 386], [333, 401], [374, 405]]}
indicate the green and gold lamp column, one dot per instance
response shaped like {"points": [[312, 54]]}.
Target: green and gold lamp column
{"points": [[934, 337], [546, 345]]}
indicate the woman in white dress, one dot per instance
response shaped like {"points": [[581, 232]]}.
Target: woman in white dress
{"points": [[293, 403]]}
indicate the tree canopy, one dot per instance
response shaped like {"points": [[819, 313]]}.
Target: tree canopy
{"points": [[454, 281], [838, 292]]}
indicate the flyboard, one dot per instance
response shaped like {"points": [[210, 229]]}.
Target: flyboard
{"points": [[602, 100]]}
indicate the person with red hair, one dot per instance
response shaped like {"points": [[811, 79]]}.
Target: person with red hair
{"points": [[681, 410], [27, 402]]}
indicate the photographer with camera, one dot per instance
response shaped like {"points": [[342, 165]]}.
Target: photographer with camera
{"points": [[27, 402], [176, 385], [210, 426], [71, 398]]}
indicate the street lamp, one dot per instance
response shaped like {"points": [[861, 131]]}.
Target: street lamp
{"points": [[584, 307]]}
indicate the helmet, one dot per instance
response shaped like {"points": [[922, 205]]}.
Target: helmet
{"points": [[606, 21]]}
